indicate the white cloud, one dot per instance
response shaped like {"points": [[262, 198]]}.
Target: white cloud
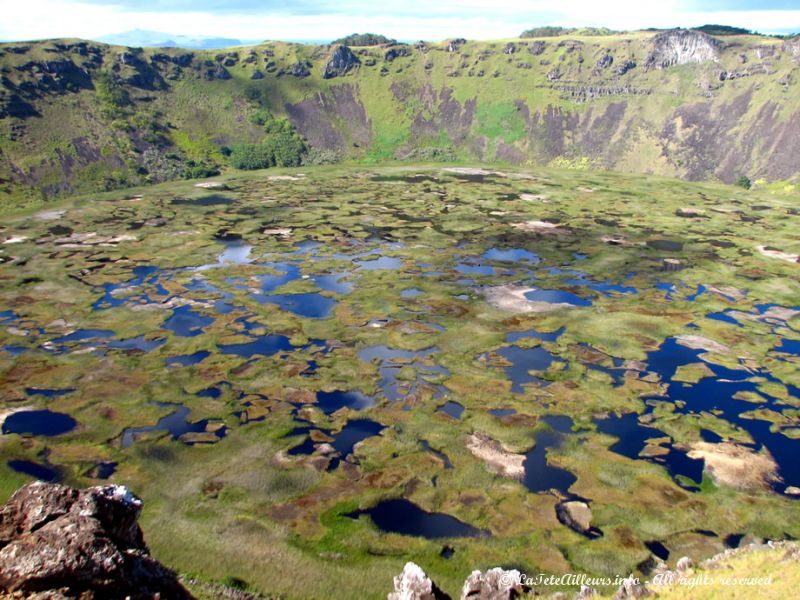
{"points": [[477, 19]]}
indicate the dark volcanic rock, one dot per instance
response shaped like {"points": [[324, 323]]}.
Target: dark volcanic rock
{"points": [[625, 67], [342, 61], [298, 69], [606, 61], [53, 77], [60, 539], [218, 72], [454, 45], [136, 71], [537, 47], [183, 60], [398, 52]]}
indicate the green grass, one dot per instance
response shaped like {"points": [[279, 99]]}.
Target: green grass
{"points": [[239, 509], [198, 116]]}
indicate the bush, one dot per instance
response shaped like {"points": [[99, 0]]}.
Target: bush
{"points": [[287, 149], [546, 31], [260, 117], [274, 125], [236, 583], [110, 92], [281, 149], [724, 30], [744, 182], [200, 171], [364, 39], [253, 94], [251, 156]]}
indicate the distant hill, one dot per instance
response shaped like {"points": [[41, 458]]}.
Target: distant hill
{"points": [[143, 38]]}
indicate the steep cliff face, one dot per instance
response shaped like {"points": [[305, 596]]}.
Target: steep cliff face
{"points": [[77, 116], [681, 48]]}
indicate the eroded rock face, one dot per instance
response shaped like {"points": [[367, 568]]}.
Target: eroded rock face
{"points": [[60, 539], [342, 61], [680, 47]]}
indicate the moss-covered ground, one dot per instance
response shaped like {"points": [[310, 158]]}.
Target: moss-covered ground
{"points": [[240, 506]]}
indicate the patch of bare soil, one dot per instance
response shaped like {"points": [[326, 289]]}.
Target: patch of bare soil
{"points": [[736, 466], [512, 299], [493, 453]]}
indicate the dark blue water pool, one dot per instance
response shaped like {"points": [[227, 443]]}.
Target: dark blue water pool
{"points": [[330, 402], [175, 423], [187, 359], [540, 476], [557, 297], [39, 422], [406, 518], [312, 305], [522, 361], [36, 470], [392, 360], [186, 322], [452, 409]]}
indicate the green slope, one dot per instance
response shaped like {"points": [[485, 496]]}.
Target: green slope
{"points": [[79, 117]]}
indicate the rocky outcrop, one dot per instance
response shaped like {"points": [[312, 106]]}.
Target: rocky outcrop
{"points": [[86, 543], [414, 584], [605, 61], [217, 72], [56, 76], [342, 61], [500, 584], [494, 584], [792, 47], [133, 69], [298, 69], [455, 45], [537, 47], [397, 52], [626, 66], [576, 515], [680, 47], [586, 93]]}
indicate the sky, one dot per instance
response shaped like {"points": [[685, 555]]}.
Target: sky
{"points": [[408, 20]]}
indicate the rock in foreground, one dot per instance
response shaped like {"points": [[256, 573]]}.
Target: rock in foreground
{"points": [[494, 584], [86, 543], [414, 584]]}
